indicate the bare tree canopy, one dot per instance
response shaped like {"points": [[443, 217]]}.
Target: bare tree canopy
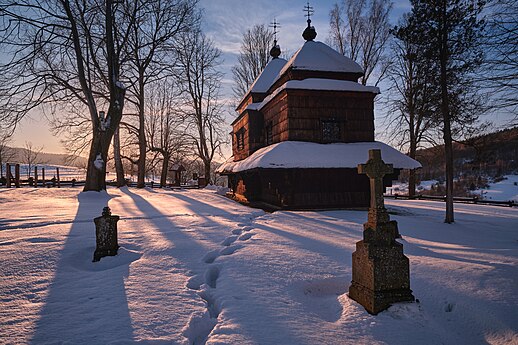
{"points": [[76, 57], [150, 56], [6, 152], [411, 97], [360, 29], [165, 126], [253, 57], [200, 81], [31, 156], [501, 65], [62, 52]]}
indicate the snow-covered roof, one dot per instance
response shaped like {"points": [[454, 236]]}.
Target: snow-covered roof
{"points": [[316, 84], [300, 154], [317, 56], [269, 74], [263, 82]]}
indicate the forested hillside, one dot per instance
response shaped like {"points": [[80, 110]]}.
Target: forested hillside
{"points": [[492, 154]]}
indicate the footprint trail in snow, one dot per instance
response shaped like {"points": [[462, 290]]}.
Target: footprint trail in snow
{"points": [[200, 326]]}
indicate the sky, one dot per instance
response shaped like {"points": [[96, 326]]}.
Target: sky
{"points": [[225, 21]]}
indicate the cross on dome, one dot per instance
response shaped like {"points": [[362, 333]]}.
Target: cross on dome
{"points": [[309, 33], [310, 11], [275, 25], [275, 52]]}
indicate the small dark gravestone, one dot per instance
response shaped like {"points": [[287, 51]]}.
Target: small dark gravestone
{"points": [[381, 274], [106, 235]]}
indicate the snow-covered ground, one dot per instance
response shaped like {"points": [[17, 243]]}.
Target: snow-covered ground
{"points": [[196, 268], [401, 188], [503, 191], [65, 172]]}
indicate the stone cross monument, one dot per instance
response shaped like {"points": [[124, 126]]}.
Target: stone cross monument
{"points": [[381, 274]]}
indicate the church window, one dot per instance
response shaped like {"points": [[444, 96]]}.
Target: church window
{"points": [[331, 131], [269, 133], [240, 139]]}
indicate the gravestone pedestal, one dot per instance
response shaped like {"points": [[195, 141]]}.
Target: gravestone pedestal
{"points": [[380, 270], [106, 235]]}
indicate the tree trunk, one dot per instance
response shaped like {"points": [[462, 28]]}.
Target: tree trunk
{"points": [[207, 172], [102, 132], [165, 169], [121, 181], [141, 137], [96, 169], [411, 154], [411, 183], [448, 155], [445, 110], [141, 166]]}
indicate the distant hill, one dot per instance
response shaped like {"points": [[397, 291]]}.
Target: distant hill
{"points": [[493, 154], [50, 158]]}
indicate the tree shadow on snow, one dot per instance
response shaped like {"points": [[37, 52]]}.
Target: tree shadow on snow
{"points": [[205, 208], [171, 230], [86, 301], [191, 240]]}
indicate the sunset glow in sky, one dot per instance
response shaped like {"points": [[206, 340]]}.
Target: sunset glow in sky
{"points": [[225, 21]]}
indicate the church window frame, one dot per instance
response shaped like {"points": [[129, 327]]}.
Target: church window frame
{"points": [[240, 139], [268, 135], [331, 130]]}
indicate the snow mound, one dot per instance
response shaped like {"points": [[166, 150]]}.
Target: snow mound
{"points": [[299, 154], [218, 189], [81, 261], [321, 297]]}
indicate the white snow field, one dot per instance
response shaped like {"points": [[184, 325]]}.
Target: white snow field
{"points": [[197, 268], [504, 190]]}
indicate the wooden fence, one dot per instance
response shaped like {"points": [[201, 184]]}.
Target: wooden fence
{"points": [[78, 183], [462, 200]]}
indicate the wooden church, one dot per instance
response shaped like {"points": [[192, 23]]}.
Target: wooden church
{"points": [[303, 127]]}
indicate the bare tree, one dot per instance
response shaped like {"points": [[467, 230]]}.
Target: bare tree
{"points": [[65, 52], [72, 124], [6, 152], [166, 131], [360, 30], [501, 65], [411, 95], [155, 27], [200, 81], [31, 156], [253, 57]]}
